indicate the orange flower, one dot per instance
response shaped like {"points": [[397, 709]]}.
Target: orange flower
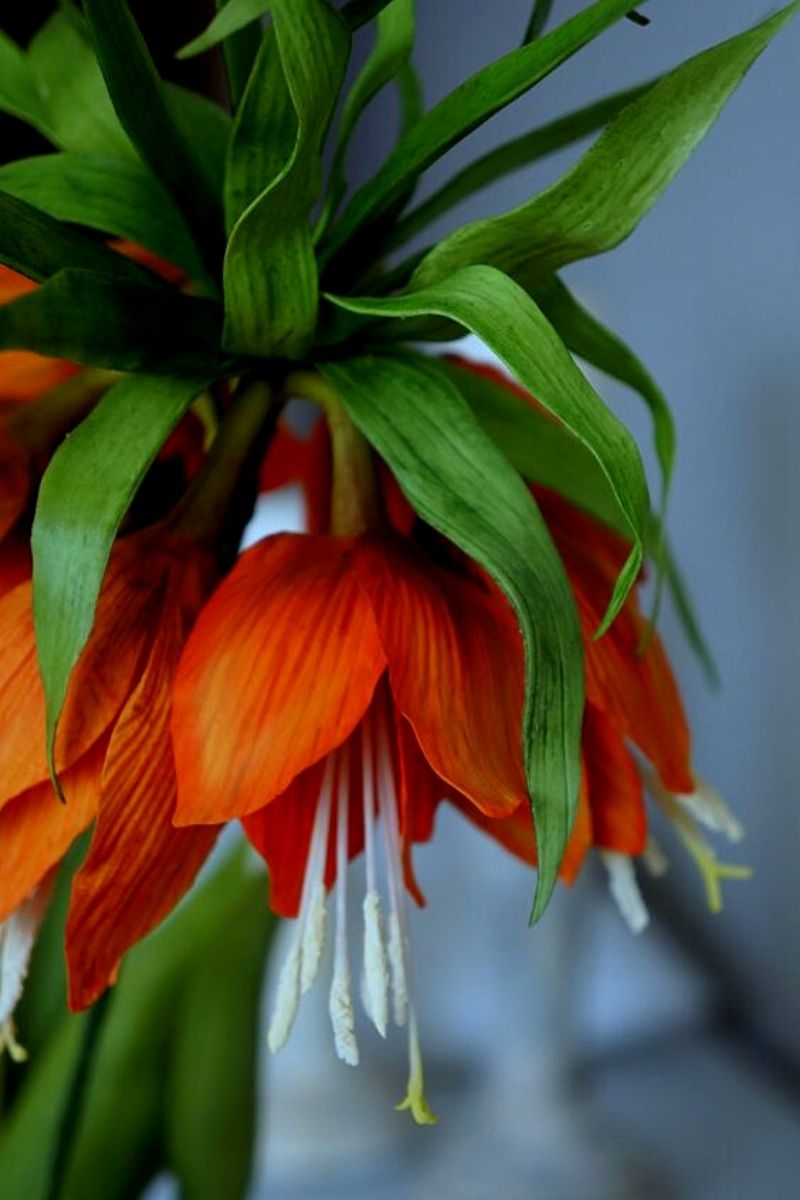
{"points": [[113, 754], [24, 375]]}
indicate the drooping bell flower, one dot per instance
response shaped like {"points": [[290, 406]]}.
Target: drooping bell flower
{"points": [[113, 751]]}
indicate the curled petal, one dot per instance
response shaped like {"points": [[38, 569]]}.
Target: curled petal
{"points": [[278, 671], [36, 829], [456, 671], [139, 865]]}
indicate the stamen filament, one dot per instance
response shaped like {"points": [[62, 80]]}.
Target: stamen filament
{"points": [[340, 1003], [625, 890]]}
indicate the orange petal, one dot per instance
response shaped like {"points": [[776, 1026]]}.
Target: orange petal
{"points": [[616, 796], [420, 793], [637, 690], [100, 683], [36, 829], [139, 865], [15, 561], [581, 837], [456, 671], [278, 671]]}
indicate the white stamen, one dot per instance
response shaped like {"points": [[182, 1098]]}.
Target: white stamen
{"points": [[387, 803], [625, 889], [709, 809], [287, 998], [654, 858], [340, 1003], [302, 962], [376, 974], [17, 937]]}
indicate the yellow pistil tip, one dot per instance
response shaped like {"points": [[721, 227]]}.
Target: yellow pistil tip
{"points": [[417, 1105]]}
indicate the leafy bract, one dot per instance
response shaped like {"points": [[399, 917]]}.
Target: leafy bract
{"points": [[147, 113], [19, 93], [121, 324], [496, 309], [118, 198], [232, 17], [544, 452], [602, 199], [37, 245], [464, 109], [512, 156], [84, 495], [460, 483], [394, 42], [270, 273]]}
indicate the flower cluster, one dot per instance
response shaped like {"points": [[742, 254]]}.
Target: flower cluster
{"points": [[327, 689]]}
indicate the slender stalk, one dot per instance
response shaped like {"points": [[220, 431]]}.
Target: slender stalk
{"points": [[76, 1097]]}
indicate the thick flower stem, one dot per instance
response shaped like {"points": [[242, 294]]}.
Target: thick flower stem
{"points": [[355, 504]]}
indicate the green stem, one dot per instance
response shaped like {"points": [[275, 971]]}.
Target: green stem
{"points": [[76, 1097]]}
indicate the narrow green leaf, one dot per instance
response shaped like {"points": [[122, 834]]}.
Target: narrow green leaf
{"points": [[464, 109], [123, 325], [545, 452], [496, 309], [19, 94], [38, 245], [84, 495], [270, 272], [603, 198], [146, 112], [206, 127], [358, 12], [513, 156], [538, 19], [118, 198], [394, 42], [240, 51], [459, 482], [233, 16], [591, 341]]}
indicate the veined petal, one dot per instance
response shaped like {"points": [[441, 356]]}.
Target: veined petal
{"points": [[139, 865], [278, 671], [100, 682], [36, 829], [636, 689], [616, 794], [420, 792], [456, 671]]}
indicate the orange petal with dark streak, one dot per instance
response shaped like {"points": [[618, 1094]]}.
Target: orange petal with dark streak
{"points": [[455, 669], [139, 865], [616, 796], [36, 829], [278, 671]]}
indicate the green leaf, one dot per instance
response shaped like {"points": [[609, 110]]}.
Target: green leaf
{"points": [[210, 1099], [270, 272], [19, 93], [123, 325], [513, 156], [146, 112], [496, 309], [393, 45], [80, 114], [206, 127], [603, 198], [538, 19], [544, 452], [119, 198], [459, 482], [38, 246], [358, 12], [464, 109], [83, 497], [240, 51], [591, 341], [235, 15]]}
